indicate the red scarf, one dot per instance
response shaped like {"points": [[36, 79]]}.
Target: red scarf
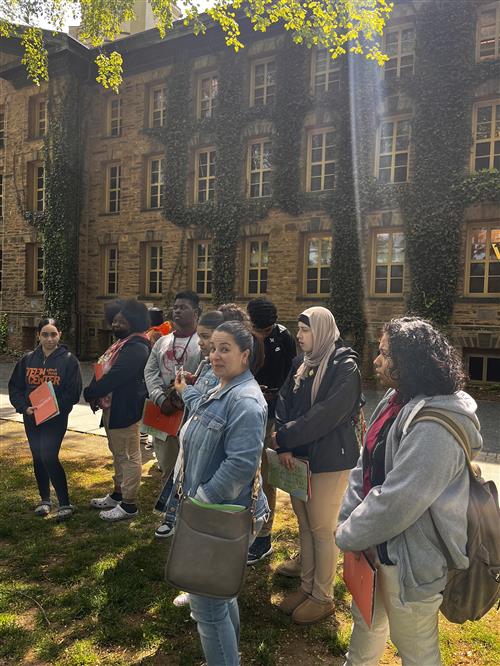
{"points": [[108, 359]]}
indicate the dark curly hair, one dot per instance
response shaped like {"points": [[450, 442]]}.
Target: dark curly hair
{"points": [[137, 315], [423, 361], [233, 312]]}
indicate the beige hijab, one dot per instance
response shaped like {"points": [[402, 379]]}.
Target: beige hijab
{"points": [[324, 334]]}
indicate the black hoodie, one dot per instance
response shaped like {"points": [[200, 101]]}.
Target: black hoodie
{"points": [[60, 367], [125, 380], [324, 432]]}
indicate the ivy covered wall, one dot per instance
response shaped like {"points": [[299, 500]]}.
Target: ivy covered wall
{"points": [[432, 203]]}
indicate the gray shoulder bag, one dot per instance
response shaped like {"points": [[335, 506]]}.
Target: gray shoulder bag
{"points": [[209, 550]]}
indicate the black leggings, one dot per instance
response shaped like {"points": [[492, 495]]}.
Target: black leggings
{"points": [[45, 442]]}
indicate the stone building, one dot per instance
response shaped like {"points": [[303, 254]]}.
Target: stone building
{"points": [[126, 245]]}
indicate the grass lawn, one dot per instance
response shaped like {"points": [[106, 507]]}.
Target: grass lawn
{"points": [[85, 592]]}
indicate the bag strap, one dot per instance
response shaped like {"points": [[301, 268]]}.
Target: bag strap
{"points": [[453, 427]]}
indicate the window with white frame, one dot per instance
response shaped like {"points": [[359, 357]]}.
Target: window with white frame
{"points": [[259, 168], [205, 175], [40, 116], [393, 150], [110, 270], [36, 173], [257, 258], [207, 95], [326, 72], [156, 182], [39, 268], [157, 106], [483, 366], [317, 262], [34, 268], [487, 135], [113, 188], [202, 267], [263, 82], [114, 116], [483, 265], [321, 160], [388, 262], [2, 127], [154, 269], [488, 32], [400, 48]]}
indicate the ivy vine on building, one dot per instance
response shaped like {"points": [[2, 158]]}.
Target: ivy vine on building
{"points": [[58, 224]]}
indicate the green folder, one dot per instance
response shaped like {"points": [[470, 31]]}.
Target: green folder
{"points": [[232, 508]]}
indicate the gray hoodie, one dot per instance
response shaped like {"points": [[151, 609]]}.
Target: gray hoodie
{"points": [[426, 486]]}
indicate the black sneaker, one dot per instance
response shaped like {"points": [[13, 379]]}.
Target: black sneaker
{"points": [[165, 530], [260, 549]]}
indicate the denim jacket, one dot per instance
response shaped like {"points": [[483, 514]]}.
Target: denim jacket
{"points": [[223, 443], [207, 380]]}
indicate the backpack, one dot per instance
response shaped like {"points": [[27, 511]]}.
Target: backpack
{"points": [[470, 593]]}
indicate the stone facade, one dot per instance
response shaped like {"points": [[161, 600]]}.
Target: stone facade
{"points": [[476, 320]]}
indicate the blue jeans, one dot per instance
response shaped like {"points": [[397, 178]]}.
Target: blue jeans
{"points": [[218, 623]]}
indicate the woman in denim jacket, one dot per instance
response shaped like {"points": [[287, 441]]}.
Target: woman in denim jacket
{"points": [[222, 443]]}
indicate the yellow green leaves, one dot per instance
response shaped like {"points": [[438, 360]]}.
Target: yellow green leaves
{"points": [[110, 70], [341, 26], [35, 55]]}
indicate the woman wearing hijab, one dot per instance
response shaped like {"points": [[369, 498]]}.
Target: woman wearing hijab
{"points": [[315, 421]]}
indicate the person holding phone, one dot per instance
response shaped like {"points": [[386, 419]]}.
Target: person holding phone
{"points": [[179, 349], [50, 361]]}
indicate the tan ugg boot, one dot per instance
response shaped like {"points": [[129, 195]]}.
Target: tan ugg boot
{"points": [[291, 601], [291, 568], [311, 611]]}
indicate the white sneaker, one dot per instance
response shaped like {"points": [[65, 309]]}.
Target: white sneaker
{"points": [[43, 509], [113, 515], [181, 599], [103, 502]]}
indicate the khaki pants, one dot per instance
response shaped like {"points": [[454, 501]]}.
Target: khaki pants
{"points": [[269, 491], [413, 627], [124, 444], [166, 453], [317, 522]]}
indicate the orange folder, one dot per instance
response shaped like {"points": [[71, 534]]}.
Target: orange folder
{"points": [[98, 371], [154, 418], [44, 400], [360, 577]]}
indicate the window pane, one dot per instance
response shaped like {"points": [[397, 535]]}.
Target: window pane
{"points": [[313, 254], [398, 248], [396, 286], [493, 369], [476, 368], [478, 245], [382, 248]]}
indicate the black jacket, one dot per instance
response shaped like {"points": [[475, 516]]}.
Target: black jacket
{"points": [[323, 432], [279, 351], [60, 367], [125, 380]]}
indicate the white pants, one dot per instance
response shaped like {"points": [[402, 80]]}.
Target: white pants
{"points": [[413, 627]]}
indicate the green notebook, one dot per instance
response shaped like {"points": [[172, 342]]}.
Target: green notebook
{"points": [[232, 508]]}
